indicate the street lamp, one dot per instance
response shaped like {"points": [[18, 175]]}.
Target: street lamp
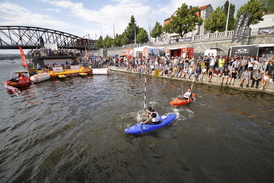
{"points": [[227, 18], [135, 33]]}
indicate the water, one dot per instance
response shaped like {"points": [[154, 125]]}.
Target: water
{"points": [[73, 131]]}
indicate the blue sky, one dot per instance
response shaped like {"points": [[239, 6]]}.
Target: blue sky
{"points": [[93, 17]]}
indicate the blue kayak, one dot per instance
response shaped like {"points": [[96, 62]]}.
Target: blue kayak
{"points": [[141, 128]]}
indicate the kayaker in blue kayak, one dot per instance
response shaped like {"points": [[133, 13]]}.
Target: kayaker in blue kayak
{"points": [[153, 116]]}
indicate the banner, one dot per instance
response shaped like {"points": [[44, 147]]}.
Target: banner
{"points": [[74, 67], [57, 69], [23, 58], [156, 73], [243, 30], [238, 27], [266, 30]]}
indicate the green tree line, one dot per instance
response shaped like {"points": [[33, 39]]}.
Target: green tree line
{"points": [[185, 20]]}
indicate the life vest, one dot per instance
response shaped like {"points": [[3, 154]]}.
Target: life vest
{"points": [[22, 79], [156, 119], [188, 95]]}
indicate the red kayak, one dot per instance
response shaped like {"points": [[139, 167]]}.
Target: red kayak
{"points": [[177, 101]]}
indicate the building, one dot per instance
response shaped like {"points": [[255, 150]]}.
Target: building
{"points": [[203, 12], [264, 27]]}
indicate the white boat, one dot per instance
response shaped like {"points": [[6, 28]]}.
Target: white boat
{"points": [[99, 71], [40, 77]]}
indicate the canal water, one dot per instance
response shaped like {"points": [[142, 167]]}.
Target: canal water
{"points": [[73, 131]]}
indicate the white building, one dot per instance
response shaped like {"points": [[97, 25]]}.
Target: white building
{"points": [[265, 26]]}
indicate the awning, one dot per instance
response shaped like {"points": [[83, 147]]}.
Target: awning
{"points": [[175, 48], [123, 54]]}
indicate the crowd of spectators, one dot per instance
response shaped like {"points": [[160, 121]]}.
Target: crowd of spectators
{"points": [[250, 71], [48, 52]]}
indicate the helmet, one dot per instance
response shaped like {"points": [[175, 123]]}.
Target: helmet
{"points": [[153, 115]]}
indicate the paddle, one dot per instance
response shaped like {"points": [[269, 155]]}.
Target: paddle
{"points": [[192, 83], [145, 101], [192, 86]]}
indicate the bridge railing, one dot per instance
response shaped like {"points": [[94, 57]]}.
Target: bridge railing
{"points": [[31, 37]]}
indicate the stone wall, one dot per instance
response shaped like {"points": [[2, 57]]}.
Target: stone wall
{"points": [[218, 41]]}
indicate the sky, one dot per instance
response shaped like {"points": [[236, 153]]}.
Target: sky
{"points": [[94, 18]]}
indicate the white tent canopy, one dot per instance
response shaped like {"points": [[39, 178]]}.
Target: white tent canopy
{"points": [[146, 51]]}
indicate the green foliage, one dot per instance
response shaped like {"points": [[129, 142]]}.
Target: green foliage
{"points": [[127, 37], [157, 30], [132, 30], [216, 21], [184, 21], [142, 36], [124, 38], [268, 5], [253, 7], [108, 41], [117, 41], [99, 42]]}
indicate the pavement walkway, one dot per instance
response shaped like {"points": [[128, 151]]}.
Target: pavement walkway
{"points": [[215, 81]]}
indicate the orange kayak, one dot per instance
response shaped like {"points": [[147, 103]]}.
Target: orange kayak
{"points": [[177, 101]]}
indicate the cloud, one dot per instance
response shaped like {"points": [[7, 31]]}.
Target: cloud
{"points": [[104, 18], [24, 17], [80, 19], [54, 10]]}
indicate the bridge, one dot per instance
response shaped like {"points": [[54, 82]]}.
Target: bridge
{"points": [[27, 37]]}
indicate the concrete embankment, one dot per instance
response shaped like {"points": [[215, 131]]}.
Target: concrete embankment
{"points": [[215, 81]]}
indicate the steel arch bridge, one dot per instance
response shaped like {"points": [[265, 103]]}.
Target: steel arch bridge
{"points": [[11, 37]]}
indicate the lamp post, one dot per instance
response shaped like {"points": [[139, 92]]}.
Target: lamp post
{"points": [[227, 18], [135, 33]]}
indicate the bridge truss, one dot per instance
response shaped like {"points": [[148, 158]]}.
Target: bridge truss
{"points": [[36, 37]]}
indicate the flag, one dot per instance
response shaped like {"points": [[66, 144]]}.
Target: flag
{"points": [[23, 58], [238, 27], [242, 32], [13, 89]]}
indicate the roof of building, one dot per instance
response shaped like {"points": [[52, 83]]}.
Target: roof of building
{"points": [[200, 8], [204, 7]]}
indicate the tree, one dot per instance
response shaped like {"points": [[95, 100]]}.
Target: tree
{"points": [[117, 41], [231, 19], [107, 41], [157, 30], [216, 21], [132, 30], [253, 7], [268, 5], [183, 21], [124, 38], [142, 36], [99, 43]]}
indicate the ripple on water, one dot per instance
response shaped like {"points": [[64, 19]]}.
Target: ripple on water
{"points": [[73, 130]]}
